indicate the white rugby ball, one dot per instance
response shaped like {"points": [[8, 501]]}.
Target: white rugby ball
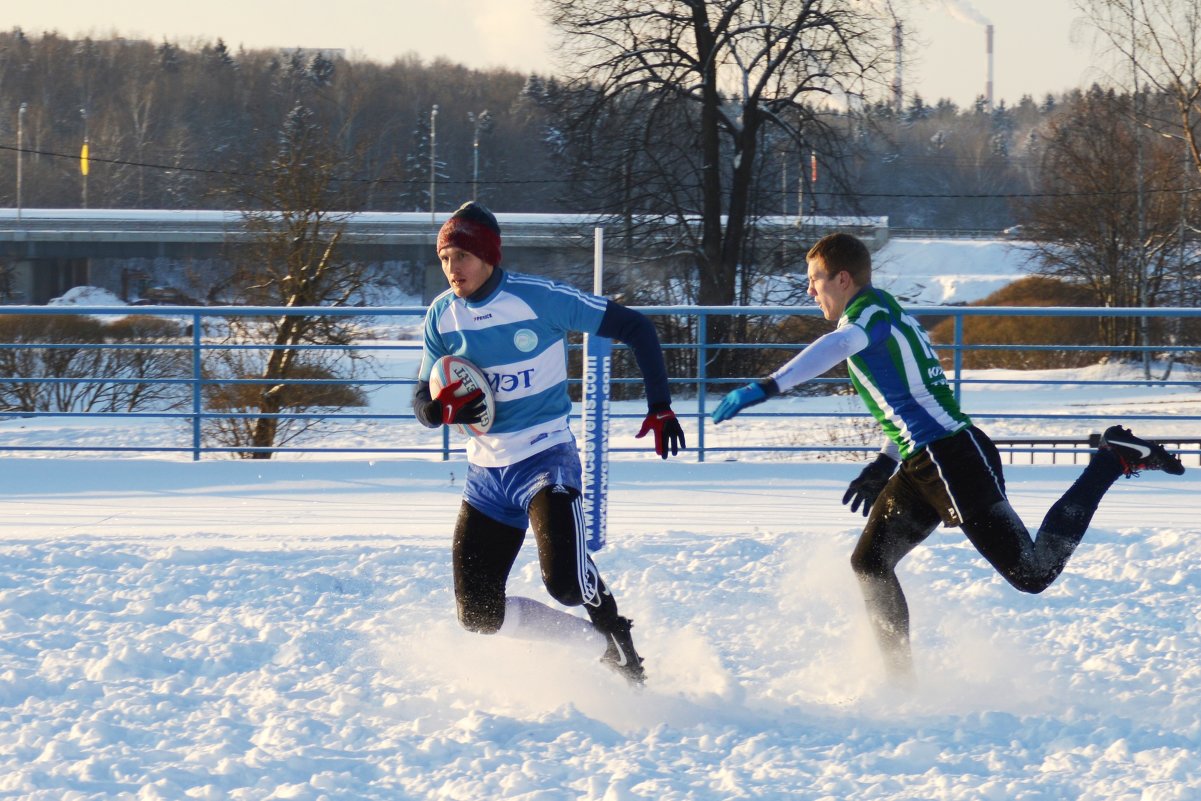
{"points": [[450, 369]]}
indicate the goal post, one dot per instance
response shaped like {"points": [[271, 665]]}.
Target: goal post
{"points": [[598, 361]]}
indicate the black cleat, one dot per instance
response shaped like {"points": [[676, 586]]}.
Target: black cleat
{"points": [[1138, 454], [620, 654]]}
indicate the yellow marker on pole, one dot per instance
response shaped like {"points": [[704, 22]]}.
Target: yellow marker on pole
{"points": [[83, 159]]}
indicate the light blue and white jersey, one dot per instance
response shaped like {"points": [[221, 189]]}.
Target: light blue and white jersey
{"points": [[517, 337]]}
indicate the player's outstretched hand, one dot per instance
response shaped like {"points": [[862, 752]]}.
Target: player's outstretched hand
{"points": [[738, 400], [867, 487], [668, 433], [467, 409]]}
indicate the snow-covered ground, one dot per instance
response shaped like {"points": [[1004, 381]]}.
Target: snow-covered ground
{"points": [[213, 630], [285, 630]]}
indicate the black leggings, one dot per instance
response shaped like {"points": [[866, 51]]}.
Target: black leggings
{"points": [[902, 518], [485, 549]]}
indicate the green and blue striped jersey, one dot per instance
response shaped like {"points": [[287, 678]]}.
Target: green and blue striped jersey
{"points": [[898, 375]]}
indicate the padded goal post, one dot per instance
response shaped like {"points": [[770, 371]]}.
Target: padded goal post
{"points": [[598, 360]]}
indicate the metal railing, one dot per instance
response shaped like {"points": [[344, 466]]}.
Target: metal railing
{"points": [[696, 394]]}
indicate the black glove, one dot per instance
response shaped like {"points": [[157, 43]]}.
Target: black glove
{"points": [[866, 488], [449, 408], [668, 433]]}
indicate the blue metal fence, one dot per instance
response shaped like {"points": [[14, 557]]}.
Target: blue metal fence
{"points": [[695, 393]]}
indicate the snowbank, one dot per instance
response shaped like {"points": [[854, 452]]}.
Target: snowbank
{"points": [[935, 272]]}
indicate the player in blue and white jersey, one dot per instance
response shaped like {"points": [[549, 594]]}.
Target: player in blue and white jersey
{"points": [[949, 470], [526, 469]]}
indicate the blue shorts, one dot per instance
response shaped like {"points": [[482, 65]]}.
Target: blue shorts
{"points": [[504, 493]]}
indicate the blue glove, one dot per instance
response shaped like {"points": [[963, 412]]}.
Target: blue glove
{"points": [[738, 400]]}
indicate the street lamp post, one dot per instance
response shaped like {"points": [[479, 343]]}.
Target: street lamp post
{"points": [[475, 162], [479, 121], [83, 156], [433, 163], [20, 153]]}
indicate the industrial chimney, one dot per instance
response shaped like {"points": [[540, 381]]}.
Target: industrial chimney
{"points": [[988, 86], [898, 89]]}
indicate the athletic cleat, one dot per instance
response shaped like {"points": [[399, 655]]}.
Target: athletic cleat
{"points": [[1139, 454], [620, 654]]}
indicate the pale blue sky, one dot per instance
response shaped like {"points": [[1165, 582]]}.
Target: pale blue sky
{"points": [[1035, 48]]}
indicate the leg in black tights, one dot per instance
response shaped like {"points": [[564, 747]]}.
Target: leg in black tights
{"points": [[1032, 564], [482, 556], [568, 571], [898, 523], [900, 520]]}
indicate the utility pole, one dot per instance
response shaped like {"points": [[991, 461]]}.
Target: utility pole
{"points": [[20, 153], [83, 156], [479, 121], [433, 164], [1140, 252]]}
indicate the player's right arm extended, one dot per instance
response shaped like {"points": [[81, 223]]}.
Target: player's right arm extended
{"points": [[823, 354]]}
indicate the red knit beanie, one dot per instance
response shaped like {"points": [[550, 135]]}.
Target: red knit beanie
{"points": [[474, 229]]}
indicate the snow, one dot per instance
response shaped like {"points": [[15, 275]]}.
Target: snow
{"points": [[239, 630], [285, 630], [86, 296], [948, 271]]}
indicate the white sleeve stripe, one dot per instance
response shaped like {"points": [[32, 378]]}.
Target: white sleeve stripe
{"points": [[591, 300], [588, 577], [868, 312]]}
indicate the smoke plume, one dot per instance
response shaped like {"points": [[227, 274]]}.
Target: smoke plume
{"points": [[964, 12]]}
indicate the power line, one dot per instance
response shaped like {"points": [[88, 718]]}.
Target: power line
{"points": [[233, 173], [259, 173]]}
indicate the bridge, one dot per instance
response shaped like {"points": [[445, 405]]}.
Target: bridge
{"points": [[44, 252]]}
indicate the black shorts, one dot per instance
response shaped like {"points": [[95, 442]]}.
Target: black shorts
{"points": [[960, 476]]}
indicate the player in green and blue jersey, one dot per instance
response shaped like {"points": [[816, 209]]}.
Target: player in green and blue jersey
{"points": [[936, 466]]}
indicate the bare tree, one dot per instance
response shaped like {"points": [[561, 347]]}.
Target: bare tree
{"points": [[1099, 224], [672, 101], [296, 223], [1158, 45], [70, 349]]}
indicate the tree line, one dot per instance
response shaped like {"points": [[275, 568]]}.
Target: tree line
{"points": [[170, 126]]}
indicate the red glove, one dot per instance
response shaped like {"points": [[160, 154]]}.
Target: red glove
{"points": [[465, 409], [668, 433]]}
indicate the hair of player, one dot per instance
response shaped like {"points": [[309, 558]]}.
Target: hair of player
{"points": [[842, 252]]}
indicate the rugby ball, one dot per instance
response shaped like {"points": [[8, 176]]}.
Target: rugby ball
{"points": [[450, 369]]}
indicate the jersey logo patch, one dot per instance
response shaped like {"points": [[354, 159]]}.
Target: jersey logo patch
{"points": [[525, 340]]}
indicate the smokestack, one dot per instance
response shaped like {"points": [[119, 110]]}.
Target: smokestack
{"points": [[898, 90], [988, 86]]}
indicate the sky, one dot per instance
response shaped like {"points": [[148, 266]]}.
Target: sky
{"points": [[1040, 46]]}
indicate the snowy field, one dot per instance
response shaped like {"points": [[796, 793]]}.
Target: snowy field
{"points": [[285, 630], [239, 630]]}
